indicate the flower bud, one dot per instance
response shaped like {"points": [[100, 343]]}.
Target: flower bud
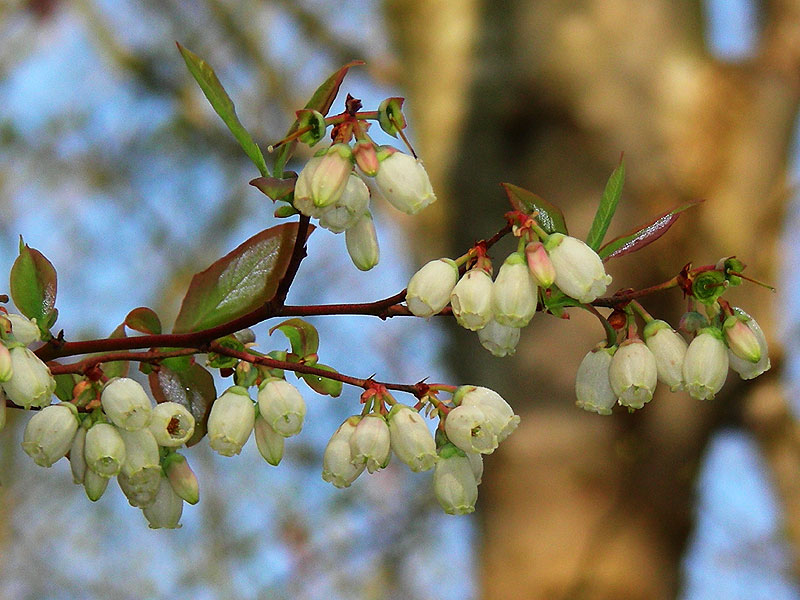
{"points": [[25, 331], [498, 339], [166, 509], [347, 210], [472, 299], [370, 443], [430, 288], [411, 440], [104, 450], [669, 349], [182, 478], [500, 416], [362, 243], [338, 466], [747, 369], [514, 293], [126, 403], [579, 270], [742, 341], [540, 265], [282, 406], [592, 385], [366, 158], [231, 421], [705, 366], [171, 424], [31, 383], [454, 482], [633, 373], [49, 433], [323, 180], [94, 485], [77, 462], [467, 427], [403, 181], [6, 369], [141, 470], [270, 443]]}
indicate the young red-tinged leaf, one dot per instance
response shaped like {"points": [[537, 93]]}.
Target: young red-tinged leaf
{"points": [[642, 236], [144, 320], [275, 188], [321, 102], [323, 385], [223, 105], [608, 206], [192, 387], [117, 368], [65, 383], [549, 215], [302, 335], [33, 287], [239, 282]]}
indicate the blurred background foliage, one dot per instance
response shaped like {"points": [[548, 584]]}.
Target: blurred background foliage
{"points": [[114, 166]]}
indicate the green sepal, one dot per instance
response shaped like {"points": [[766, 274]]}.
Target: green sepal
{"points": [[221, 361], [284, 211], [708, 286], [276, 188], [65, 383], [308, 117], [390, 115]]}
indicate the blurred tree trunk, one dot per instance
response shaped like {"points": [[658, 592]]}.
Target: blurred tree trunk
{"points": [[546, 95]]}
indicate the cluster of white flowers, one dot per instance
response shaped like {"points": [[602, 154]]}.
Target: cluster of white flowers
{"points": [[331, 189], [127, 438], [627, 374], [277, 413], [498, 309], [476, 424]]}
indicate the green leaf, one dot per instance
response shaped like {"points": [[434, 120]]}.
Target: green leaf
{"points": [[238, 283], [33, 287], [644, 235], [323, 385], [555, 301], [608, 206], [302, 335], [219, 99], [549, 215], [118, 368], [321, 101], [192, 387], [65, 383], [144, 320]]}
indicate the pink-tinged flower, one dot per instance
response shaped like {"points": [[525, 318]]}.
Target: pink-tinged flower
{"points": [[579, 270]]}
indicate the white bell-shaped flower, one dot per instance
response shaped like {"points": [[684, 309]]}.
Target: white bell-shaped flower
{"points": [[166, 509], [514, 293], [141, 470], [126, 403], [104, 450], [633, 373], [362, 243], [31, 383], [25, 331], [411, 440], [49, 433], [370, 443], [403, 181], [705, 366], [270, 443], [347, 210], [747, 369], [669, 348], [430, 288], [579, 270], [172, 424], [592, 385], [500, 416], [498, 339], [454, 482], [338, 467], [471, 300], [231, 421], [282, 406]]}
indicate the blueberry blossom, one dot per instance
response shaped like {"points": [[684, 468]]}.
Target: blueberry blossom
{"points": [[49, 433], [514, 293], [347, 210], [471, 299], [324, 178], [592, 385], [454, 483], [231, 421], [747, 369], [362, 243], [705, 366], [370, 443], [126, 403], [104, 450], [282, 406], [429, 290], [633, 373], [403, 181], [579, 270], [669, 349], [338, 467], [498, 339], [31, 383], [411, 440]]}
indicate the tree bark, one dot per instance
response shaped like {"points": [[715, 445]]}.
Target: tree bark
{"points": [[576, 505]]}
